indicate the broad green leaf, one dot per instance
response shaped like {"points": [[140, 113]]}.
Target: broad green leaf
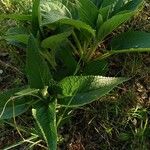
{"points": [[130, 5], [11, 106], [81, 90], [112, 23], [35, 16], [88, 12], [54, 41], [131, 39], [45, 116], [37, 69], [19, 17]]}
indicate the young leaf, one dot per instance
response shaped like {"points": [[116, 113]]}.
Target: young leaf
{"points": [[37, 69], [45, 116], [112, 23], [88, 12], [131, 39], [104, 11], [81, 90]]}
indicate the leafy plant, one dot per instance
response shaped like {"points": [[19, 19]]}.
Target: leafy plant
{"points": [[64, 65]]}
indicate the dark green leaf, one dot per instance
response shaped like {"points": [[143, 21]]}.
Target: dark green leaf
{"points": [[81, 90], [88, 12], [54, 41], [99, 67], [76, 24], [68, 59], [131, 39], [12, 105], [97, 2], [35, 17], [132, 5], [45, 116], [37, 69]]}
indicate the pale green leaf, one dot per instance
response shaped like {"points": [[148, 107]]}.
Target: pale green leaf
{"points": [[45, 116]]}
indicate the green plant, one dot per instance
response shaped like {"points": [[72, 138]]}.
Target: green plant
{"points": [[61, 43]]}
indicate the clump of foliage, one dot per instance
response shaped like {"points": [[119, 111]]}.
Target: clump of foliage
{"points": [[64, 66]]}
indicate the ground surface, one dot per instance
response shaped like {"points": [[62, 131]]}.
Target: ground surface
{"points": [[120, 121]]}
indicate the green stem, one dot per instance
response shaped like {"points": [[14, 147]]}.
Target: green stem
{"points": [[78, 43], [72, 46], [132, 50], [91, 51]]}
